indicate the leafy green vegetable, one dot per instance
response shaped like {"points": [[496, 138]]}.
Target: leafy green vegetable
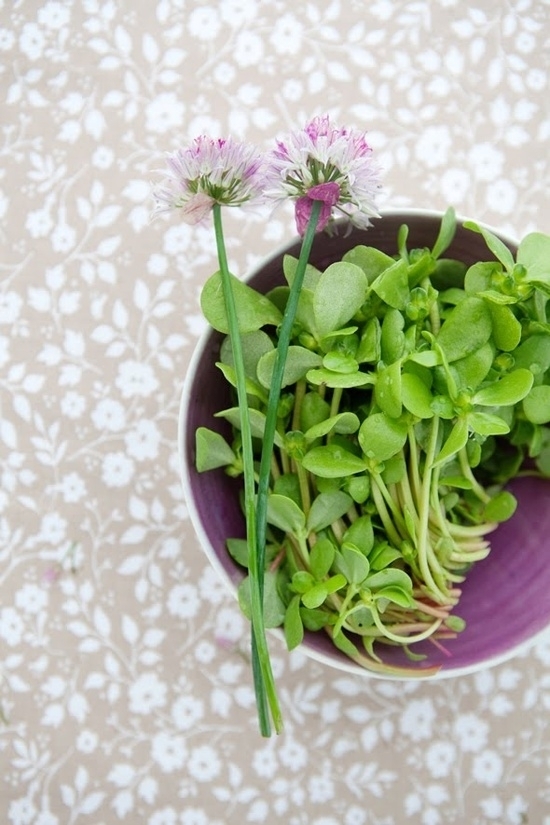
{"points": [[416, 387]]}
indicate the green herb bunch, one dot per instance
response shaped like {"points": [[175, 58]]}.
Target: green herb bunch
{"points": [[414, 389]]}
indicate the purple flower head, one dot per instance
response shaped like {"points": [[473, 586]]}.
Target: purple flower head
{"points": [[207, 172], [326, 163]]}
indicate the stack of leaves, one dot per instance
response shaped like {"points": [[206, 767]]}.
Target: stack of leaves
{"points": [[415, 388]]}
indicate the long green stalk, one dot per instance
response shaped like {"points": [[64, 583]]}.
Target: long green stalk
{"points": [[285, 332], [264, 685]]}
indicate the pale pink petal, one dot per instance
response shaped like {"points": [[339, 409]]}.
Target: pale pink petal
{"points": [[197, 208]]}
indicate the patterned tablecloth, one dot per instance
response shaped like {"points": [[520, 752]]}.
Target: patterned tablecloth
{"points": [[125, 685]]}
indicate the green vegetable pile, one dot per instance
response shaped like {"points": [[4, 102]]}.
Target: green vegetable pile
{"points": [[415, 388]]}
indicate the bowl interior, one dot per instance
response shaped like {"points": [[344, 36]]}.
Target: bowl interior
{"points": [[505, 599]]}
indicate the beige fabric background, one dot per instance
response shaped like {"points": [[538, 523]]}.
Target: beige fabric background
{"points": [[125, 688]]}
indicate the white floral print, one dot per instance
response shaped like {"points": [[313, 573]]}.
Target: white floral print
{"points": [[125, 689]]}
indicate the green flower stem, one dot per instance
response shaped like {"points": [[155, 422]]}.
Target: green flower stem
{"points": [[261, 665], [285, 332]]}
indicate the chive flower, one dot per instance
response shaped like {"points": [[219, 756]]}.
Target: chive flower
{"points": [[210, 171], [325, 163]]}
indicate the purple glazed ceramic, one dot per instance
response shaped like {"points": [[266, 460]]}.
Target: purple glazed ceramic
{"points": [[506, 597]]}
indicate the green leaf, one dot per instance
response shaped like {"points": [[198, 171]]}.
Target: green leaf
{"points": [[534, 254], [253, 309], [339, 294], [326, 509], [479, 277], [487, 424], [372, 261], [311, 274], [425, 358], [321, 558], [387, 390], [315, 619], [369, 344], [361, 534], [313, 410], [466, 329], [536, 405], [238, 550], [293, 625], [382, 556], [510, 389], [446, 233], [274, 608], [470, 371], [382, 437], [211, 450], [416, 395], [389, 577], [392, 338], [497, 247], [392, 286], [397, 595], [257, 422], [285, 514], [345, 423], [344, 644], [456, 441], [338, 379], [359, 618], [352, 564], [254, 345], [288, 485], [498, 298], [252, 387], [501, 507], [332, 461], [319, 592], [340, 362], [394, 469], [302, 581], [359, 488], [534, 354], [299, 360], [506, 327]]}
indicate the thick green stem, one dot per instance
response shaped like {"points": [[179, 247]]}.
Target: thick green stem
{"points": [[424, 554], [261, 665], [335, 403], [298, 398], [467, 470], [285, 332]]}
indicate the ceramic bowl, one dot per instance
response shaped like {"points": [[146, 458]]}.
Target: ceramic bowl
{"points": [[505, 600]]}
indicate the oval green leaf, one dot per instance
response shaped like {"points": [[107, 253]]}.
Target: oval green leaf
{"points": [[253, 309], [339, 294], [506, 391], [332, 461], [381, 437]]}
